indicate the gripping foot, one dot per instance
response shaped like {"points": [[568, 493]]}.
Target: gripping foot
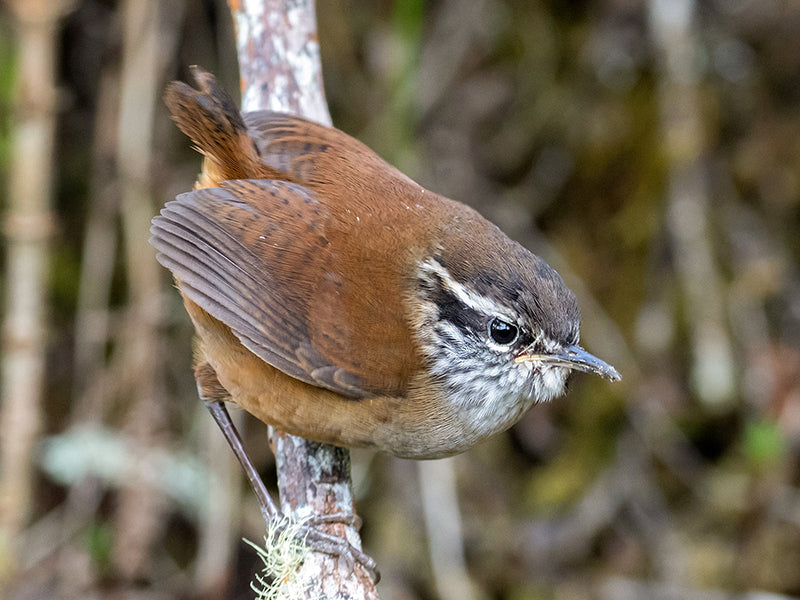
{"points": [[317, 540]]}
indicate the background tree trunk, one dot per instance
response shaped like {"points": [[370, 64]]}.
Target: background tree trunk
{"points": [[28, 228]]}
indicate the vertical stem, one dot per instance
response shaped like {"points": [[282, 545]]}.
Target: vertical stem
{"points": [[688, 221], [28, 229], [281, 70], [279, 59], [139, 507], [97, 260], [443, 523]]}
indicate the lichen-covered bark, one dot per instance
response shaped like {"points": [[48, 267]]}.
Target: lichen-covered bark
{"points": [[314, 480], [276, 41]]}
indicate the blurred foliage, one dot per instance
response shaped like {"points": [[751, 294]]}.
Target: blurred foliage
{"points": [[7, 63], [546, 116]]}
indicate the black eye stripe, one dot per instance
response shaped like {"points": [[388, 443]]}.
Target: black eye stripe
{"points": [[471, 322], [453, 310], [503, 332]]}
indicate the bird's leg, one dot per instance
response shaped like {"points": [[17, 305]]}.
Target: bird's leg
{"points": [[223, 419], [214, 396]]}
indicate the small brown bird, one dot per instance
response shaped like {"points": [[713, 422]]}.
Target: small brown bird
{"points": [[338, 300]]}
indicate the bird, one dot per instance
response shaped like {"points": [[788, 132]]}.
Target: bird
{"points": [[336, 299]]}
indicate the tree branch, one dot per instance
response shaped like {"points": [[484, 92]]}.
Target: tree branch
{"points": [[280, 70]]}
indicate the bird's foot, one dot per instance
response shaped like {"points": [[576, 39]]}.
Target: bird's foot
{"points": [[309, 532], [327, 543]]}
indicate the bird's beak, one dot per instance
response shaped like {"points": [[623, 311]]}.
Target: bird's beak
{"points": [[573, 357]]}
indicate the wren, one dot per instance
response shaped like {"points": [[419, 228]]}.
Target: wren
{"points": [[338, 300]]}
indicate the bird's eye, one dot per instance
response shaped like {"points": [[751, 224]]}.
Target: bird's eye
{"points": [[503, 332]]}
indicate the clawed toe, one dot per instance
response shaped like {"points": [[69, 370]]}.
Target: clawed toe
{"points": [[349, 519], [327, 543]]}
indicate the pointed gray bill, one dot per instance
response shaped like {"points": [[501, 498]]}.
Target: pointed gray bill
{"points": [[576, 358]]}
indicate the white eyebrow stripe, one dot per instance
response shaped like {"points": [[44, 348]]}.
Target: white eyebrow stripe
{"points": [[476, 302]]}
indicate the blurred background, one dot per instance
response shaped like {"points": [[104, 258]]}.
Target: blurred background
{"points": [[648, 149]]}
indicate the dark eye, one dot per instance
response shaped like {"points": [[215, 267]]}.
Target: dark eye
{"points": [[502, 332]]}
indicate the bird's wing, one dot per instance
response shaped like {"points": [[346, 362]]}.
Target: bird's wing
{"points": [[263, 257]]}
